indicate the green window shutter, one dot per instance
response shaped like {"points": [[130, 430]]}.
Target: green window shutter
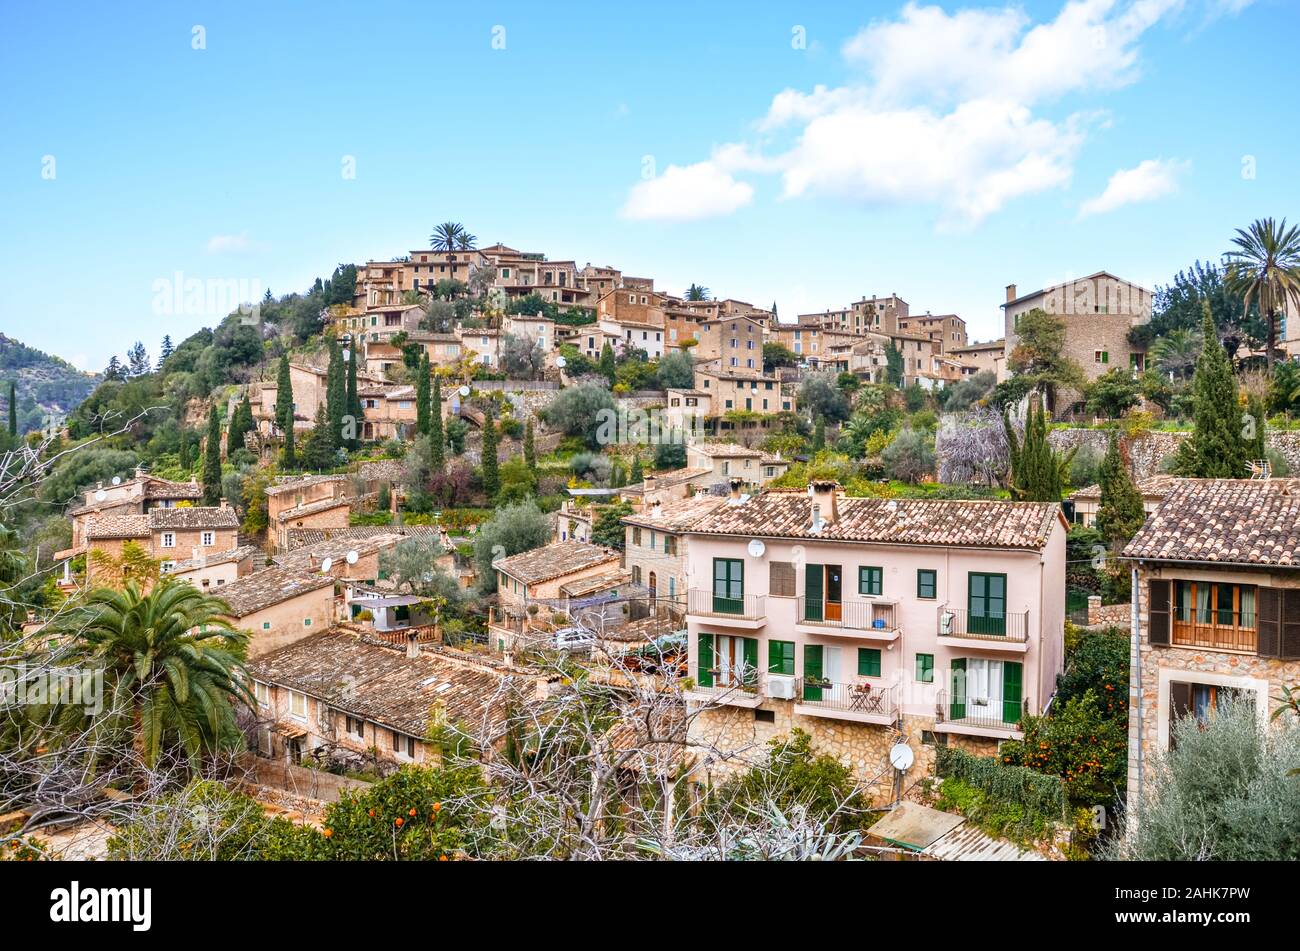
{"points": [[750, 648], [927, 583], [870, 580], [957, 708], [868, 662], [1011, 677], [812, 592], [780, 657], [925, 668], [704, 657], [812, 669]]}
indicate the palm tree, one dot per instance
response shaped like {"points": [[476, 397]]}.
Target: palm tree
{"points": [[1176, 352], [697, 292], [171, 659], [466, 241], [1265, 270], [448, 235]]}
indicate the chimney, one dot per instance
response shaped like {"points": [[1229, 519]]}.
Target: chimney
{"points": [[1011, 293], [735, 491], [412, 645], [224, 503], [823, 493]]}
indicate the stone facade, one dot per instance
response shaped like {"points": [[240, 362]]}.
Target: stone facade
{"points": [[1100, 614], [1147, 449]]}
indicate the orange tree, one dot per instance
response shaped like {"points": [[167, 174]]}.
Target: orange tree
{"points": [[1081, 742]]}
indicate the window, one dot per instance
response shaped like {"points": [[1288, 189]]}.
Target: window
{"points": [[306, 622], [868, 662], [780, 657], [670, 544], [728, 585], [780, 579], [987, 603], [397, 741], [169, 540], [925, 668], [298, 704], [1101, 356], [1215, 614], [263, 693], [870, 581], [356, 727], [926, 583], [209, 538], [266, 625], [636, 536]]}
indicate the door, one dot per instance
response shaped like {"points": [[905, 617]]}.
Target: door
{"points": [[654, 589], [957, 709], [987, 604], [812, 670], [984, 688], [814, 577], [834, 593], [736, 660], [728, 586]]}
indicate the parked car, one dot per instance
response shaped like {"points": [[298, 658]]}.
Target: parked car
{"points": [[573, 639]]}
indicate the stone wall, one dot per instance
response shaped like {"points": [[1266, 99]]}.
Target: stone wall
{"points": [[1147, 449], [863, 747], [1100, 614]]}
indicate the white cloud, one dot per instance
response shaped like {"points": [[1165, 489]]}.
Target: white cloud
{"points": [[230, 243], [685, 193], [1152, 179]]}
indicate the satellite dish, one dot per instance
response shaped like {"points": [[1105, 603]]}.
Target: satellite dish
{"points": [[756, 548], [561, 362], [901, 756], [463, 391], [117, 480], [352, 557], [326, 565], [101, 495]]}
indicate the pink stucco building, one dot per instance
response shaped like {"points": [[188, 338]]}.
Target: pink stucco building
{"points": [[869, 621]]}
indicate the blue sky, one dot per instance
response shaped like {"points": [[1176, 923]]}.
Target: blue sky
{"points": [[951, 148]]}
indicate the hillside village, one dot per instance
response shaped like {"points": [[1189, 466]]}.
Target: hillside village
{"points": [[510, 533]]}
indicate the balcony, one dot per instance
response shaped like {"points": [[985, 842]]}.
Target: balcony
{"points": [[1212, 629], [862, 620], [742, 688], [747, 612], [972, 716], [859, 702], [959, 628]]}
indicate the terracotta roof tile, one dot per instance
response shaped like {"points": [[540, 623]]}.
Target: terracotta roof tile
{"points": [[262, 589], [118, 525], [555, 561], [194, 516]]}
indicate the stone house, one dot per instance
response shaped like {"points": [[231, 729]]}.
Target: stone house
{"points": [[947, 331], [278, 606], [729, 461], [990, 355], [317, 501], [655, 549], [1217, 591], [537, 576], [735, 341], [1087, 501], [868, 621]]}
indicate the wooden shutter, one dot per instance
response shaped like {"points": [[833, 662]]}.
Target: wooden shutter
{"points": [[812, 669], [958, 687], [1180, 705], [781, 579], [1158, 612], [704, 658], [1011, 691], [749, 646], [780, 657], [1269, 641], [812, 592], [1289, 643], [868, 662]]}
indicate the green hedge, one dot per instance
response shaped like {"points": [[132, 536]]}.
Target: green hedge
{"points": [[1037, 792]]}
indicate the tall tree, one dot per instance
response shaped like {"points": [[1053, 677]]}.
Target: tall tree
{"points": [[166, 350], [138, 360], [491, 465], [607, 365], [354, 407], [318, 450], [239, 424], [13, 409], [1037, 473], [336, 394], [1039, 356], [1216, 448], [437, 439], [1121, 513], [637, 475], [284, 412], [697, 292], [448, 236], [530, 447], [1265, 270], [172, 663], [212, 460], [422, 417]]}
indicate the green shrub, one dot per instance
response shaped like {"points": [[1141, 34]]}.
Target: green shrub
{"points": [[1038, 793]]}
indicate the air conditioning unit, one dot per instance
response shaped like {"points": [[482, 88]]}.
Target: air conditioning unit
{"points": [[780, 687]]}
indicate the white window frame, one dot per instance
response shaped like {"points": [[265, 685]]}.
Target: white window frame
{"points": [[169, 540], [208, 539], [297, 699]]}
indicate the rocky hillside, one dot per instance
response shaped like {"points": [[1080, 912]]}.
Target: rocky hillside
{"points": [[46, 384]]}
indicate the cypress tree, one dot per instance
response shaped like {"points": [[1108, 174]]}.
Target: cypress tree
{"points": [[1036, 471], [183, 454], [318, 448], [606, 365], [437, 440], [491, 470], [1256, 445], [13, 409], [1216, 449], [212, 461], [1121, 513], [819, 435], [336, 395], [530, 447], [284, 412], [354, 408], [637, 475], [422, 395]]}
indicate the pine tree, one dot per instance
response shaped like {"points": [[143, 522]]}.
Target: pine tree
{"points": [[138, 360], [1121, 513], [284, 412], [1036, 470], [606, 365], [491, 470], [13, 409], [212, 460], [422, 395], [437, 439], [114, 369], [1216, 448], [355, 409], [166, 351], [637, 476], [530, 447]]}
